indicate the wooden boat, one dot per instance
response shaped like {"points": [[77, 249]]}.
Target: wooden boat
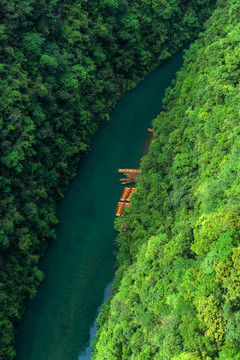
{"points": [[125, 193], [150, 130]]}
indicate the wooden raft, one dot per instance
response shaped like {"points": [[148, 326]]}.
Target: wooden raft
{"points": [[129, 170], [127, 181], [120, 207], [131, 175], [130, 194], [125, 193]]}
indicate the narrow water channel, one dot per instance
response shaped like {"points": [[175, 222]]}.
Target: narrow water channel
{"points": [[80, 264]]}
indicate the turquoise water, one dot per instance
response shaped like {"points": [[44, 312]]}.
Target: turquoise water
{"points": [[79, 266]]}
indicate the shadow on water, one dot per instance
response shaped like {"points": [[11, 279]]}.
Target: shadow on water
{"points": [[80, 264]]}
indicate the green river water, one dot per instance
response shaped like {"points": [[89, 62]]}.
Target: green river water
{"points": [[79, 266]]}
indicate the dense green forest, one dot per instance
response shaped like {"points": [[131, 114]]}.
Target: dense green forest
{"points": [[177, 293], [64, 64]]}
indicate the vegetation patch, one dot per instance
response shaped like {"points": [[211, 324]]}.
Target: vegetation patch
{"points": [[177, 290]]}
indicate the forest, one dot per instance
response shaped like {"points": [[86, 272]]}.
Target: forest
{"points": [[178, 280], [63, 67]]}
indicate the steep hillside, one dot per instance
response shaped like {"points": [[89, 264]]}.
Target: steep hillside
{"points": [[178, 285], [64, 65]]}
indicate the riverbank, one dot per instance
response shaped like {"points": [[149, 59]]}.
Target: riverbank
{"points": [[81, 262], [177, 293]]}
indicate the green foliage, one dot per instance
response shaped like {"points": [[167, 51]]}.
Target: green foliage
{"points": [[63, 66], [177, 290]]}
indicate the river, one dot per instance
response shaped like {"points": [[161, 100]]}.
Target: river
{"points": [[79, 265]]}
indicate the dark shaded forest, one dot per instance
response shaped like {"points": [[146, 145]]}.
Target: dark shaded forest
{"points": [[64, 65], [178, 284]]}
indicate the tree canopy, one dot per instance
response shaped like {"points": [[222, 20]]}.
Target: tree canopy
{"points": [[177, 290]]}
